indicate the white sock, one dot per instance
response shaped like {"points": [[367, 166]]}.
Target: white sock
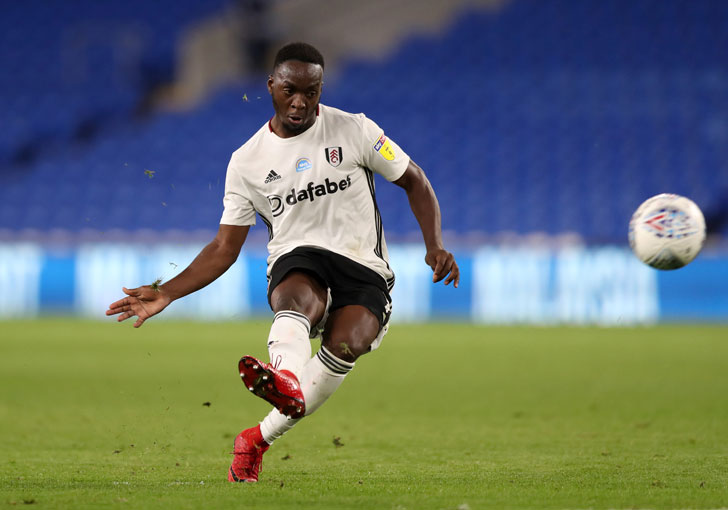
{"points": [[320, 378], [288, 344], [275, 425]]}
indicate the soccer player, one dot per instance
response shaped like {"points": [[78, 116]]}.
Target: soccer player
{"points": [[309, 174]]}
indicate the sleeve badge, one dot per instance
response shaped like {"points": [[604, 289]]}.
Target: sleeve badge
{"points": [[384, 148]]}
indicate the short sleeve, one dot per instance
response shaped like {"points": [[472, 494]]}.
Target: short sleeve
{"points": [[238, 208], [380, 154]]}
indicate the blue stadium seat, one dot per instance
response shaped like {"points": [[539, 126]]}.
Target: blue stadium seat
{"points": [[541, 117]]}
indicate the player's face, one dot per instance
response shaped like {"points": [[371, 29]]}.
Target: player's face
{"points": [[296, 90]]}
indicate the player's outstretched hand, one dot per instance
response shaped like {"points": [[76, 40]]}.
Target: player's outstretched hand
{"points": [[144, 302], [443, 265]]}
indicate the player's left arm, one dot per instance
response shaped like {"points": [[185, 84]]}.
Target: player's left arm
{"points": [[426, 209]]}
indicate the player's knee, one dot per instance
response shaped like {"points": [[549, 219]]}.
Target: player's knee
{"points": [[350, 331], [348, 349]]}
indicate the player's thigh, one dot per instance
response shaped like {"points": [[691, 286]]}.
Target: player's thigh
{"points": [[350, 331], [302, 292]]}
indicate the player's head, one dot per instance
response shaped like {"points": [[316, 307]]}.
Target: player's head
{"points": [[295, 87], [299, 51]]}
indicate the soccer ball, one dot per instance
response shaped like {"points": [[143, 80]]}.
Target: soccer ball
{"points": [[667, 231]]}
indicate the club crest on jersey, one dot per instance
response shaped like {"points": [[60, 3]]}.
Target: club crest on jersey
{"points": [[334, 155], [303, 164], [384, 148]]}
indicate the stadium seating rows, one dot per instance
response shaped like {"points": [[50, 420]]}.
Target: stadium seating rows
{"points": [[67, 64], [553, 116]]}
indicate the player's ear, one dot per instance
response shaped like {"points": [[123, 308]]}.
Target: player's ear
{"points": [[270, 84]]}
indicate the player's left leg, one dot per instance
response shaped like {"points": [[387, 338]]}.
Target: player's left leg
{"points": [[348, 334]]}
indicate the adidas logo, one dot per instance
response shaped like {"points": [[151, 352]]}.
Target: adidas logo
{"points": [[272, 176]]}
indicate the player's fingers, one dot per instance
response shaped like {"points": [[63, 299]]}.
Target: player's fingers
{"points": [[125, 316], [438, 271], [123, 305], [116, 306], [139, 322], [132, 292], [443, 266], [454, 275]]}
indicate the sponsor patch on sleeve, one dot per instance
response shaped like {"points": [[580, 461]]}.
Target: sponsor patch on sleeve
{"points": [[384, 148]]}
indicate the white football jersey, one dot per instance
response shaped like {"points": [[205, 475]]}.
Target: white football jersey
{"points": [[316, 188]]}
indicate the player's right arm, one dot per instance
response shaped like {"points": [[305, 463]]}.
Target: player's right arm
{"points": [[214, 259]]}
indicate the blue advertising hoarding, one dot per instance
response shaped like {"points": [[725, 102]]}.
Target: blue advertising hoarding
{"points": [[499, 285]]}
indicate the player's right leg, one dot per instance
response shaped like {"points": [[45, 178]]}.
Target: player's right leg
{"points": [[298, 300]]}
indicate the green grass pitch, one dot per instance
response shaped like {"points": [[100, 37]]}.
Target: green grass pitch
{"points": [[99, 415]]}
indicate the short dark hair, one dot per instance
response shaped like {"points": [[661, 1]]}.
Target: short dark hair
{"points": [[300, 51]]}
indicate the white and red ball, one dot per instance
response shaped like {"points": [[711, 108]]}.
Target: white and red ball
{"points": [[667, 231]]}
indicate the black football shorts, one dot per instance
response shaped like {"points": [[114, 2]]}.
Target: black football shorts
{"points": [[349, 282]]}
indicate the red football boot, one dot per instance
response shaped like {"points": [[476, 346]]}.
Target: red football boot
{"points": [[279, 387], [248, 449]]}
